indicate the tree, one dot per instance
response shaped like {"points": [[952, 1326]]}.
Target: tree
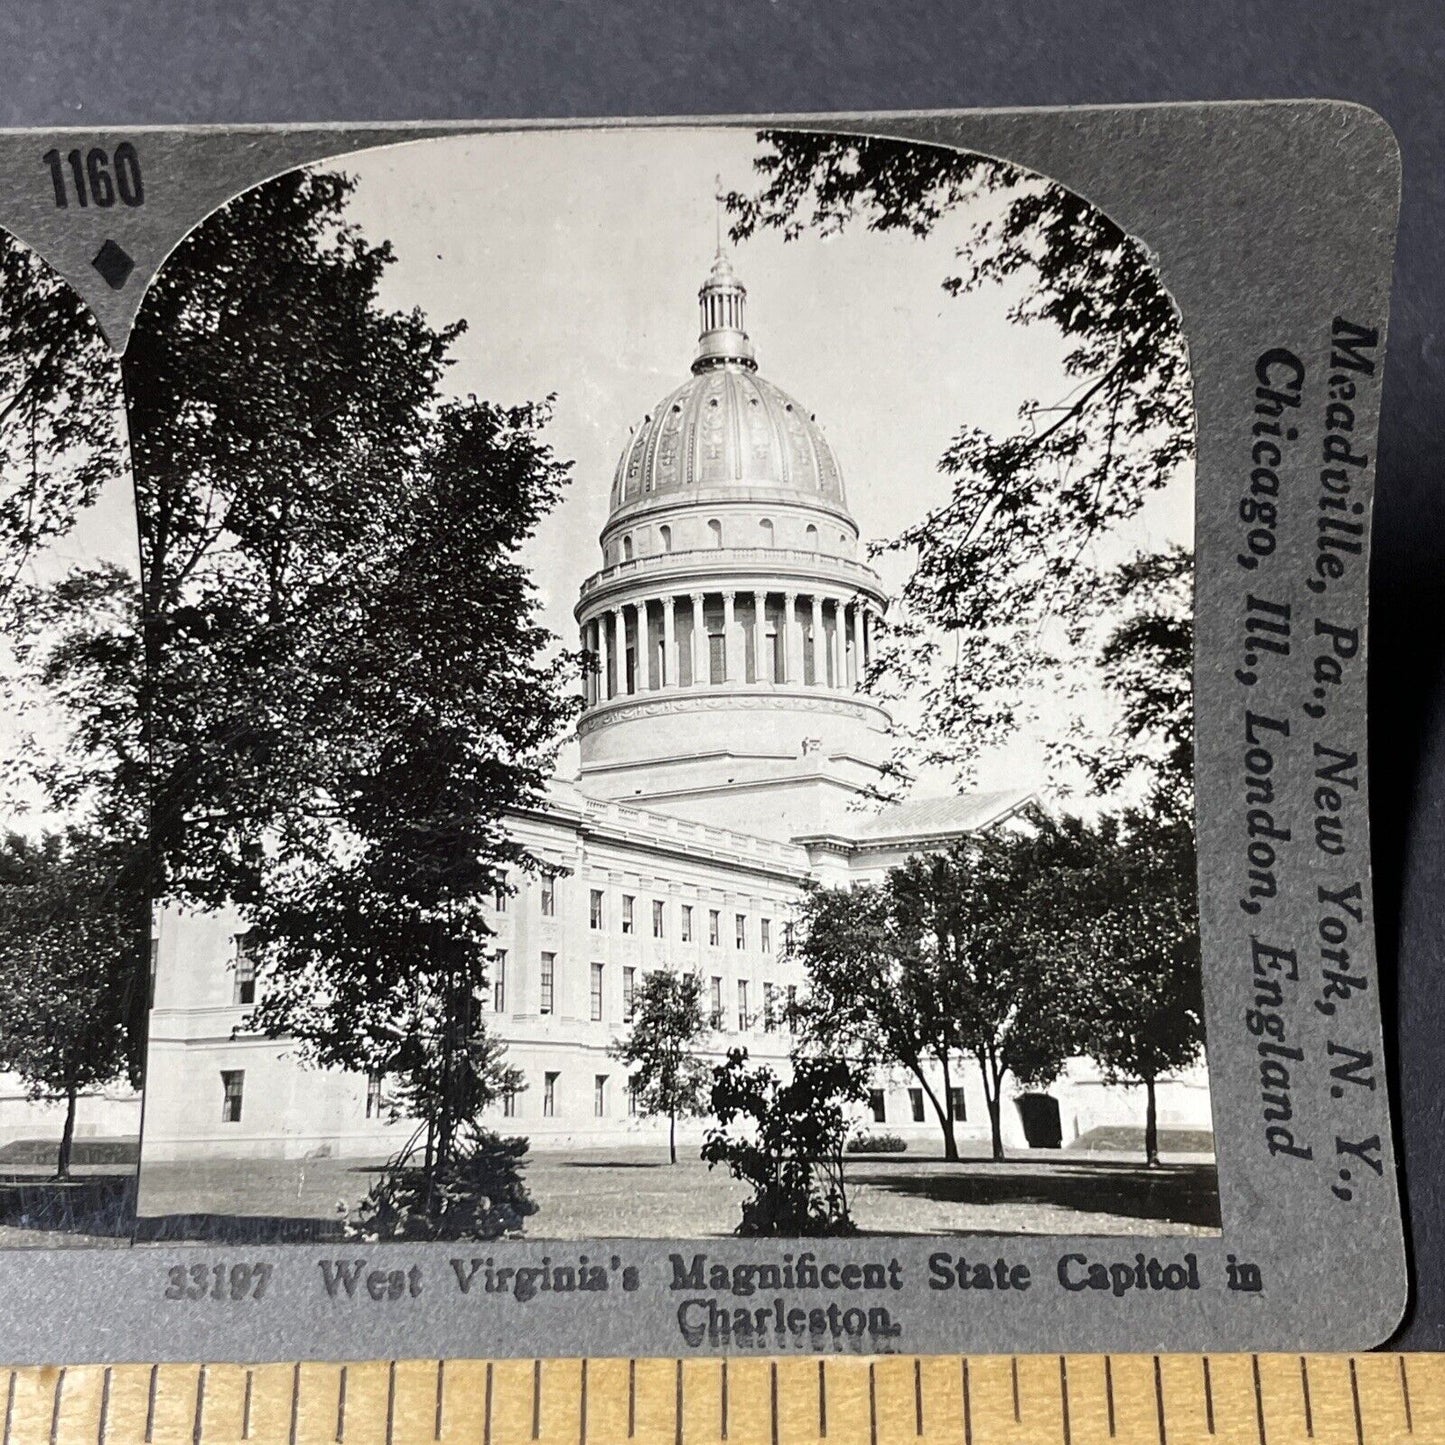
{"points": [[59, 399], [1132, 931], [661, 1050], [1017, 544], [71, 925], [945, 960], [787, 1141]]}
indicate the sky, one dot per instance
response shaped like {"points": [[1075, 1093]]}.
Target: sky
{"points": [[575, 259]]}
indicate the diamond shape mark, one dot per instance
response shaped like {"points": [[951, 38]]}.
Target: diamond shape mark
{"points": [[114, 264]]}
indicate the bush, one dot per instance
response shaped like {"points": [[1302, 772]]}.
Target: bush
{"points": [[479, 1196], [877, 1144], [787, 1143]]}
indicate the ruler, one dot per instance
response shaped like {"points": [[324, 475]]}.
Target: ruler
{"points": [[1366, 1399]]}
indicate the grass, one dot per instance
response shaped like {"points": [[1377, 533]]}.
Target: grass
{"points": [[633, 1192]]}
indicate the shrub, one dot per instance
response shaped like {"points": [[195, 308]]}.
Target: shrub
{"points": [[876, 1144], [786, 1141], [480, 1196]]}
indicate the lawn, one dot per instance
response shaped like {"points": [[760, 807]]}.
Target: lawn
{"points": [[633, 1192]]}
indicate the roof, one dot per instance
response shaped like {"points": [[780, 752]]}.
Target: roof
{"points": [[935, 817]]}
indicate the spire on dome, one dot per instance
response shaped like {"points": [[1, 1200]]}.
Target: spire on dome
{"points": [[721, 303]]}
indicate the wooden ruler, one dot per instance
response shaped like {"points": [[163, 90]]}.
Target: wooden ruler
{"points": [[1367, 1399]]}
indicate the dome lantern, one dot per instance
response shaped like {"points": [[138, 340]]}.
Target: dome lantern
{"points": [[723, 335]]}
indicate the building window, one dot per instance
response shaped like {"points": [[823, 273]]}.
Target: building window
{"points": [[665, 533], [716, 657], [717, 1008], [686, 928], [770, 1020], [657, 918], [714, 927], [629, 992], [599, 1095], [499, 981], [627, 548], [549, 1095], [596, 993], [596, 906], [875, 1103], [792, 1007], [499, 895], [549, 970], [715, 532], [233, 1084], [509, 1103], [244, 990], [789, 932], [742, 1005], [915, 1097], [627, 901], [549, 896], [810, 538], [632, 1098], [740, 930], [956, 1104], [375, 1100], [765, 934]]}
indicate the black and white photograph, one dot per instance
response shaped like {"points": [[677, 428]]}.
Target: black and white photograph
{"points": [[668, 668], [647, 679], [75, 881]]}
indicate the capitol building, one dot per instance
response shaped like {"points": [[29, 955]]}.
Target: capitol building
{"points": [[729, 758]]}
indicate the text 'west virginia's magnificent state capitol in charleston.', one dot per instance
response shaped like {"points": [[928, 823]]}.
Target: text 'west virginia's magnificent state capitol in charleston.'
{"points": [[726, 755]]}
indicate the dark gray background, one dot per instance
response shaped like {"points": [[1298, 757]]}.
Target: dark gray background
{"points": [[181, 61]]}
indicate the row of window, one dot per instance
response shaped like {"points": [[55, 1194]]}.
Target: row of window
{"points": [[598, 921], [233, 1087], [631, 978], [765, 536]]}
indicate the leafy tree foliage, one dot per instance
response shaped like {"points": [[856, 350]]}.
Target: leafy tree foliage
{"points": [[1127, 928], [946, 960], [662, 1049], [1018, 543], [71, 925], [787, 1141], [59, 398]]}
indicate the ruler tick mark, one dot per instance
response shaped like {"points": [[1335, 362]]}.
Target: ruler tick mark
{"points": [[295, 1400], [246, 1407], [1014, 1369], [1258, 1399], [723, 1391], [150, 1404], [773, 1391], [677, 1404], [822, 1402], [581, 1410], [390, 1400], [631, 1399], [10, 1408], [967, 1408], [341, 1406], [441, 1388], [104, 1427], [1159, 1400], [537, 1399], [487, 1409], [1355, 1397], [918, 1397], [1063, 1399], [1208, 1396], [55, 1404], [200, 1411], [1109, 1392], [1405, 1395], [872, 1408], [1304, 1382]]}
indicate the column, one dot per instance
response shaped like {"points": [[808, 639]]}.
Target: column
{"points": [[619, 616], [695, 639], [820, 657], [604, 654], [762, 658], [867, 634], [732, 640], [840, 660], [671, 669], [857, 642], [792, 640], [644, 647], [585, 642]]}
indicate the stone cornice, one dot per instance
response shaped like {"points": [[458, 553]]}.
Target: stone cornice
{"points": [[725, 698]]}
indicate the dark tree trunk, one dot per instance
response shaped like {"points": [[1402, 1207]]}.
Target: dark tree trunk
{"points": [[67, 1136], [995, 1121], [1151, 1125], [672, 1137]]}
